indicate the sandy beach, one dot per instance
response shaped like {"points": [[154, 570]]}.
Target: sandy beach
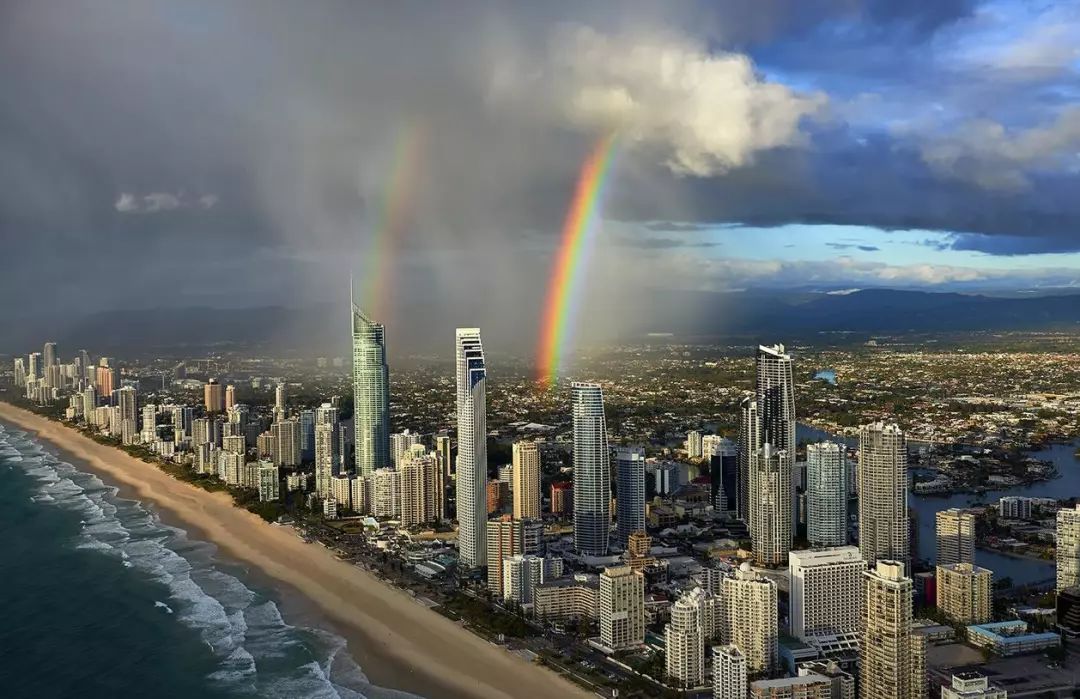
{"points": [[397, 642]]}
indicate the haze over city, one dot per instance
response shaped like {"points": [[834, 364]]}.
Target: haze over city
{"points": [[203, 154]]}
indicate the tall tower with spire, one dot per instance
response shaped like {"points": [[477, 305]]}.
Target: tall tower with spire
{"points": [[371, 392]]}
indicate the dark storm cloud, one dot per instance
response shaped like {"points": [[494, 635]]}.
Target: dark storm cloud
{"points": [[246, 150]]}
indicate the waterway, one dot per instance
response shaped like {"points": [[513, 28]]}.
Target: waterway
{"points": [[1021, 570]]}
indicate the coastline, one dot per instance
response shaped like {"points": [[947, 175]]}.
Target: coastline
{"points": [[398, 643]]}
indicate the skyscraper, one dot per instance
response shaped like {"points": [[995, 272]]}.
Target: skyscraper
{"points": [[442, 453], [723, 456], [213, 396], [826, 591], [287, 442], [630, 491], [592, 479], [526, 480], [1068, 548], [505, 539], [955, 536], [127, 400], [472, 448], [622, 608], [749, 442], [230, 397], [371, 394], [326, 448], [279, 402], [419, 487], [400, 443], [892, 661], [775, 395], [771, 508], [34, 369], [49, 354], [750, 623], [693, 445], [826, 494], [20, 372], [883, 486], [684, 640]]}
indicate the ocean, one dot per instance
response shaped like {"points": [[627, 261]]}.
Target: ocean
{"points": [[99, 598]]}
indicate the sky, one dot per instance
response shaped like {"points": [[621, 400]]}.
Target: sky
{"points": [[159, 154]]}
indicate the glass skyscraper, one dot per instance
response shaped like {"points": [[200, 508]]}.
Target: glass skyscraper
{"points": [[592, 479], [826, 494], [371, 394], [472, 448]]}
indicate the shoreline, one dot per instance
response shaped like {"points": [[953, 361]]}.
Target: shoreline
{"points": [[398, 643]]}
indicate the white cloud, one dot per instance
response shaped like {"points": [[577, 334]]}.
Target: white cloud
{"points": [[706, 112], [987, 154], [156, 202]]}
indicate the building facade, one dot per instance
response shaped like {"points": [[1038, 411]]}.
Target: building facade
{"points": [[883, 486], [964, 593], [750, 619], [472, 448], [629, 492], [826, 591], [592, 475], [892, 660], [622, 608], [1068, 548], [955, 530], [371, 394], [826, 494]]}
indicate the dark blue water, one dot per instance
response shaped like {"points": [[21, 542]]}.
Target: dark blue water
{"points": [[1019, 569], [98, 598]]}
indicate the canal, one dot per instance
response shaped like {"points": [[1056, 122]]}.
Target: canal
{"points": [[1021, 570]]}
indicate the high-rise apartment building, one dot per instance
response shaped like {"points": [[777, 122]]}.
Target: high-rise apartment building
{"points": [[964, 593], [684, 640], [213, 396], [804, 686], [972, 685], [400, 443], [826, 591], [1068, 548], [371, 394], [230, 397], [729, 673], [420, 487], [385, 496], [955, 536], [442, 453], [883, 486], [472, 448], [279, 401], [775, 394], [750, 618], [630, 492], [826, 494], [49, 355], [749, 441], [592, 475], [128, 402], [892, 661], [526, 480], [693, 445], [286, 443], [771, 507], [20, 372], [326, 448], [562, 497], [34, 364], [505, 539], [622, 608], [269, 481], [723, 457]]}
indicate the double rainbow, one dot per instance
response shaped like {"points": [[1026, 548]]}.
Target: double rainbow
{"points": [[578, 236], [391, 216]]}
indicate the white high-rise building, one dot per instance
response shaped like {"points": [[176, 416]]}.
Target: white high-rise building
{"points": [[20, 372], [525, 478], [965, 593], [684, 640], [592, 474], [775, 394], [34, 370], [883, 486], [729, 673], [287, 442], [693, 445], [972, 685], [385, 496], [371, 393], [826, 591], [420, 487], [892, 661], [472, 448], [400, 443], [955, 529], [1068, 548], [327, 458], [826, 494], [128, 402], [771, 507], [279, 402], [149, 424], [269, 481], [750, 618], [622, 608], [630, 492]]}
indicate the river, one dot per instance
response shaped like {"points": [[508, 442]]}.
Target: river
{"points": [[1019, 569]]}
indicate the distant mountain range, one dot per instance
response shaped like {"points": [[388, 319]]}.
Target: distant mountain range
{"points": [[702, 315]]}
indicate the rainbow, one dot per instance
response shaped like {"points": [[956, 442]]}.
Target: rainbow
{"points": [[578, 235], [391, 216]]}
